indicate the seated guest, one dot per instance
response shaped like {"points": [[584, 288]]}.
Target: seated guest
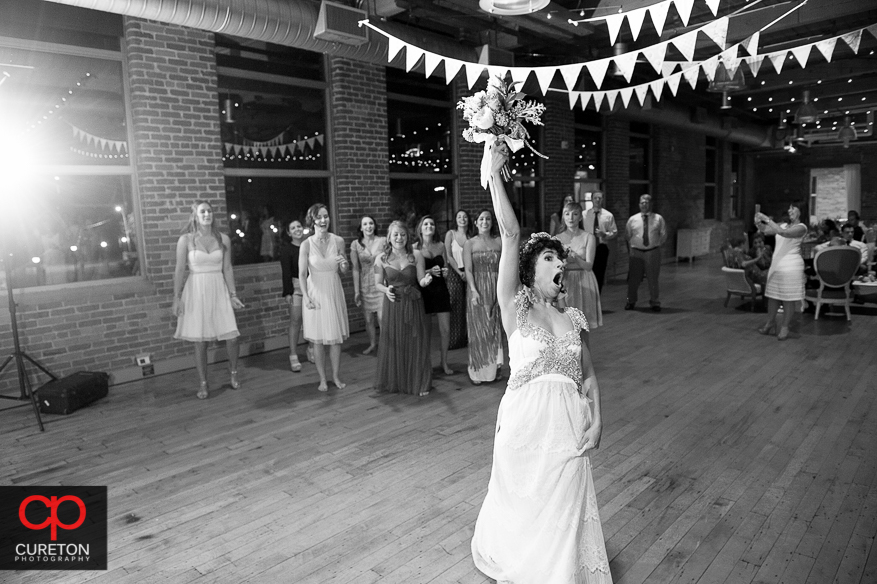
{"points": [[826, 230], [853, 219], [848, 238], [755, 261]]}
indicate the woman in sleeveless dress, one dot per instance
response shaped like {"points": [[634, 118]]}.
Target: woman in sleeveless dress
{"points": [[580, 282], [454, 242], [436, 298], [556, 223], [363, 252], [404, 364], [205, 306], [481, 257], [324, 312], [539, 523], [785, 279]]}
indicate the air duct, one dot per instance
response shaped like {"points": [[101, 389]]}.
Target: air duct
{"points": [[290, 23]]}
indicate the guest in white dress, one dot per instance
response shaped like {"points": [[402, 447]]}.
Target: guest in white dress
{"points": [[324, 313], [363, 252], [204, 307], [785, 279], [583, 291], [539, 522]]}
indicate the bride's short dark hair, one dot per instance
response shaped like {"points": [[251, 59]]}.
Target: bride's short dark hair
{"points": [[530, 251]]}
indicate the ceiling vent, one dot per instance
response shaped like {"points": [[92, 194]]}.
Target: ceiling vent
{"points": [[340, 24]]}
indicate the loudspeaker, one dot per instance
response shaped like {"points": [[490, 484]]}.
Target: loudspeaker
{"points": [[66, 395]]}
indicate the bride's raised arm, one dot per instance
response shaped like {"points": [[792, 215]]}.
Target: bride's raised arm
{"points": [[510, 233]]}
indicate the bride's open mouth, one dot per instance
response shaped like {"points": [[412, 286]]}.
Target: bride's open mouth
{"points": [[558, 278]]}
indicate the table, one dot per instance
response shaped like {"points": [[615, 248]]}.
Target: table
{"points": [[865, 291]]}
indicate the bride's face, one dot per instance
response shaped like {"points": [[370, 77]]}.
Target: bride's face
{"points": [[549, 272]]}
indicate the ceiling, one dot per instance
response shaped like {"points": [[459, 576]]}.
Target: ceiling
{"points": [[846, 84]]}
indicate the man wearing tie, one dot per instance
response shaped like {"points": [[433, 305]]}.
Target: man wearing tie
{"points": [[645, 233], [601, 223]]}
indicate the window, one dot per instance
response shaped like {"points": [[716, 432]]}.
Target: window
{"points": [[68, 192], [640, 165], [736, 179], [588, 156], [711, 181], [419, 144], [525, 190], [274, 151]]}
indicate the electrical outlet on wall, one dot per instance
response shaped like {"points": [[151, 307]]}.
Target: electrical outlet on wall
{"points": [[143, 360]]}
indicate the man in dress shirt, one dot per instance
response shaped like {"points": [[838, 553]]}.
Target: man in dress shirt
{"points": [[601, 223], [847, 238], [645, 233]]}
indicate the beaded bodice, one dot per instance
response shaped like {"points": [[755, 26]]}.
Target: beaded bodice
{"points": [[535, 352]]}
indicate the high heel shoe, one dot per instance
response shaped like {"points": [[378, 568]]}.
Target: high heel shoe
{"points": [[294, 363], [784, 334], [203, 392], [768, 329], [235, 384]]}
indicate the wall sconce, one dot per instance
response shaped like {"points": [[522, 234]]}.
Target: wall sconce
{"points": [[228, 110], [848, 133]]}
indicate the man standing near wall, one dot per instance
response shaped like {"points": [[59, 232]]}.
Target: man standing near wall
{"points": [[645, 233], [601, 223]]}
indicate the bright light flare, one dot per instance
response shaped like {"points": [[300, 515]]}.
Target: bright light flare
{"points": [[17, 169]]}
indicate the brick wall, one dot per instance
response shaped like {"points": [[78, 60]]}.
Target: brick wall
{"points": [[558, 170]]}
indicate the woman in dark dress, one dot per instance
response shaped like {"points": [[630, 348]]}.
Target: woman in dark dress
{"points": [[290, 244], [403, 351], [436, 299]]}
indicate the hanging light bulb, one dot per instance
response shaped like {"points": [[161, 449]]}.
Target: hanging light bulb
{"points": [[806, 113], [848, 133]]}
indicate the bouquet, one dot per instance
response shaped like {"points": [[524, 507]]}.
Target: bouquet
{"points": [[495, 116]]}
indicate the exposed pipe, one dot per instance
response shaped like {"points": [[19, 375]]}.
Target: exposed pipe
{"points": [[284, 22], [670, 114]]}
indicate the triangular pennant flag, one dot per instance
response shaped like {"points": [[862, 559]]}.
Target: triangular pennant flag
{"points": [[570, 74], [430, 62], [635, 20], [614, 21], [826, 47], [320, 139], [717, 30], [264, 152], [731, 66], [751, 44], [668, 68], [611, 96], [625, 93], [496, 71], [657, 88], [574, 97], [873, 30], [683, 7], [395, 45], [473, 72], [691, 75], [658, 12], [778, 59], [709, 67], [598, 99], [673, 83], [625, 63], [714, 6], [597, 70], [685, 43], [544, 75], [641, 92], [754, 63], [412, 56], [802, 53], [520, 74], [452, 67], [586, 98], [655, 56], [853, 39]]}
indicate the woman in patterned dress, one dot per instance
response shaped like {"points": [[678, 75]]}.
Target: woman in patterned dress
{"points": [[205, 306], [582, 289], [454, 242], [363, 252], [481, 259], [539, 523]]}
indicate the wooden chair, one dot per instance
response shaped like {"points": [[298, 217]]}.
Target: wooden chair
{"points": [[737, 284], [835, 267]]}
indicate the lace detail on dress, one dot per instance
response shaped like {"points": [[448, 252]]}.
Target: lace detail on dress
{"points": [[560, 355]]}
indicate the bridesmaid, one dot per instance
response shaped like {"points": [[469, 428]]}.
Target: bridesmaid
{"points": [[556, 225], [363, 252], [580, 282], [436, 299], [324, 316], [290, 246], [205, 306], [404, 364], [454, 242], [481, 258]]}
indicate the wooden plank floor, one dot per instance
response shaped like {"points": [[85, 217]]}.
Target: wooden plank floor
{"points": [[727, 457]]}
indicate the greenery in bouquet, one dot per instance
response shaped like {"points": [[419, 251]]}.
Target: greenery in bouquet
{"points": [[497, 115]]}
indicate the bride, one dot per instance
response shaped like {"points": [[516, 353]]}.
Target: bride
{"points": [[539, 522]]}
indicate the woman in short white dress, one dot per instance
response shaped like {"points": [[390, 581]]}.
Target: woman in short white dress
{"points": [[205, 306]]}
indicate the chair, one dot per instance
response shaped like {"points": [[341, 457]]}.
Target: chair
{"points": [[737, 284], [835, 267]]}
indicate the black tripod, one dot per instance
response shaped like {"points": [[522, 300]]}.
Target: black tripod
{"points": [[19, 355]]}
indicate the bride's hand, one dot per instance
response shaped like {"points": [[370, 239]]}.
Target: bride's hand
{"points": [[591, 439], [499, 158]]}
